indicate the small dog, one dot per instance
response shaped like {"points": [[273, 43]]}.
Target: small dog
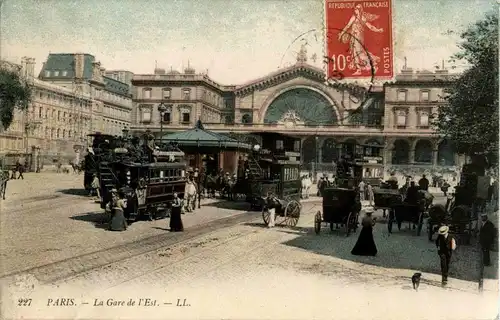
{"points": [[415, 280]]}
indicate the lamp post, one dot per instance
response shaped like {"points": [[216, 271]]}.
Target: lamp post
{"points": [[316, 151], [125, 132], [161, 108]]}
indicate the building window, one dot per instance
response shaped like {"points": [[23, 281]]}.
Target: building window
{"points": [[40, 112], [186, 94], [186, 117], [146, 93], [401, 119], [402, 95], [423, 119], [246, 119], [167, 117], [56, 73], [167, 93], [146, 113], [279, 145], [58, 115], [64, 73], [424, 95], [296, 146], [47, 73]]}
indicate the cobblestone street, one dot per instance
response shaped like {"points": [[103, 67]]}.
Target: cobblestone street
{"points": [[237, 269], [49, 222]]}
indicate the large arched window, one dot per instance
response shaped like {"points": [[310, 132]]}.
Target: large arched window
{"points": [[423, 151], [329, 151], [401, 152], [446, 154], [309, 106]]}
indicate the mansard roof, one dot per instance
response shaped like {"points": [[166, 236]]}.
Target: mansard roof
{"points": [[64, 63], [281, 75]]}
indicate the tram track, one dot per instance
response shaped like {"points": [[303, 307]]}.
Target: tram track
{"points": [[70, 267]]}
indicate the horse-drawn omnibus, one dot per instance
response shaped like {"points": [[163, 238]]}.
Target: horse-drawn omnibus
{"points": [[273, 177], [148, 176]]}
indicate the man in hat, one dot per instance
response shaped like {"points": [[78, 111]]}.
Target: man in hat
{"points": [[445, 245], [486, 238]]}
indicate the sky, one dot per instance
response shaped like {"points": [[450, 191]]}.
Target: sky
{"points": [[235, 41]]}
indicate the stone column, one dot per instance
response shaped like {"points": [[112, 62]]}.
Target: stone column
{"points": [[411, 159], [435, 158]]}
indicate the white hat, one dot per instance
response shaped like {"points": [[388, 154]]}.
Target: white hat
{"points": [[369, 210], [443, 230], [484, 214]]}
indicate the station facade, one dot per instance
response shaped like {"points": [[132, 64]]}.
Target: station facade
{"points": [[394, 117]]}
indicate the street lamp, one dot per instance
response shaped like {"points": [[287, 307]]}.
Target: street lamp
{"points": [[161, 108], [125, 132], [316, 151]]}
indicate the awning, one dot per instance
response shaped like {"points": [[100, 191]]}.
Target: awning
{"points": [[199, 137]]}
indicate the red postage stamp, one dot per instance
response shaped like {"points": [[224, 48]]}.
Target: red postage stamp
{"points": [[359, 39]]}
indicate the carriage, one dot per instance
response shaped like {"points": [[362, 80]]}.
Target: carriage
{"points": [[274, 178], [341, 206], [385, 196], [415, 214], [148, 177]]}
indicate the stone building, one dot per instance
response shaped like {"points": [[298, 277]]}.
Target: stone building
{"points": [[392, 117], [85, 77], [66, 106]]}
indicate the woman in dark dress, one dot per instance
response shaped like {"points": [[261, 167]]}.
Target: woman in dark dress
{"points": [[118, 221], [175, 216], [365, 246]]}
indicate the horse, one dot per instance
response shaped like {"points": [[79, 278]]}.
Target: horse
{"points": [[190, 196], [306, 183], [76, 168], [210, 185]]}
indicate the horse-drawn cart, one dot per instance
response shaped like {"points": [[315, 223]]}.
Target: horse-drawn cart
{"points": [[413, 213], [340, 207], [386, 198]]}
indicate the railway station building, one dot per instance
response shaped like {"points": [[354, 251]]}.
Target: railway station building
{"points": [[394, 117]]}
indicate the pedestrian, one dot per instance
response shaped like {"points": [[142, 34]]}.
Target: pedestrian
{"points": [[365, 246], [271, 202], [486, 238], [423, 183], [20, 169], [369, 191], [95, 186], [175, 216], [445, 245], [119, 204], [445, 187], [361, 187]]}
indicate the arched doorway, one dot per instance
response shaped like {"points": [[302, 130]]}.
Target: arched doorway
{"points": [[446, 154], [423, 152], [401, 152], [329, 151], [348, 148], [309, 152], [373, 148], [303, 105]]}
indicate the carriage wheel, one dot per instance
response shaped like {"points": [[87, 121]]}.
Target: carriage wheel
{"points": [[292, 213], [349, 223], [317, 222], [266, 215], [420, 223], [390, 220]]}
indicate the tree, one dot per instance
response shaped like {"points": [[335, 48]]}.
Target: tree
{"points": [[15, 93], [470, 120]]}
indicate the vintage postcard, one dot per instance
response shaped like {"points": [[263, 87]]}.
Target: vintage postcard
{"points": [[249, 159]]}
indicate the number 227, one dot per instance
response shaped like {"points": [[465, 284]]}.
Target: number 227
{"points": [[24, 302]]}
